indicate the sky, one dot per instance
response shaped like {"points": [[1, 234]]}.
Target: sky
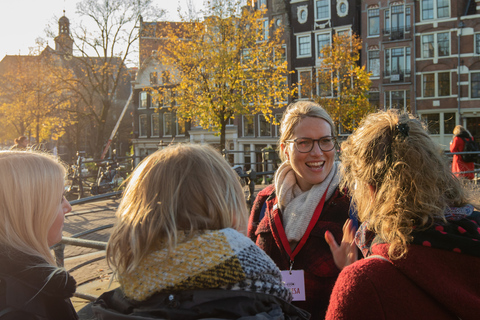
{"points": [[23, 21]]}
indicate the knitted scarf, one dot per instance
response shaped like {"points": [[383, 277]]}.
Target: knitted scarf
{"points": [[296, 205], [221, 259], [460, 234]]}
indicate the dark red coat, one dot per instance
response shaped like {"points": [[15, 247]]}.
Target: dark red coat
{"points": [[458, 165], [314, 258], [429, 283]]}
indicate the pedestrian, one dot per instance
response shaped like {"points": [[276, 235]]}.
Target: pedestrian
{"points": [[178, 248], [21, 144], [459, 166], [296, 218], [419, 234], [32, 210]]}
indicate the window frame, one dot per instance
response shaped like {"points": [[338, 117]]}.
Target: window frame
{"points": [[152, 125], [437, 84], [143, 128], [309, 42], [141, 105], [434, 10], [406, 57], [167, 127], [435, 43], [267, 126], [375, 18], [329, 10], [299, 72], [369, 64], [318, 56], [470, 86], [251, 125]]}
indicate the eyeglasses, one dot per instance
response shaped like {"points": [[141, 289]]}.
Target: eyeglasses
{"points": [[305, 145]]}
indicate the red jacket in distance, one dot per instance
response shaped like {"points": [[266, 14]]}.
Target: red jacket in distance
{"points": [[428, 284], [314, 258], [458, 165]]}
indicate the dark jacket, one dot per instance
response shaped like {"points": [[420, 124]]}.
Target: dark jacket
{"points": [[193, 305], [25, 292], [314, 258]]}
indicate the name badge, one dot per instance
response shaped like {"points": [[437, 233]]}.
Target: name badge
{"points": [[295, 281]]}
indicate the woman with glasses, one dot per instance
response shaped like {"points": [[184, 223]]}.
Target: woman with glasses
{"points": [[296, 218]]}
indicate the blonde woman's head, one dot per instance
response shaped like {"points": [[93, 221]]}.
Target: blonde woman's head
{"points": [[398, 177], [182, 188], [294, 114], [31, 194]]}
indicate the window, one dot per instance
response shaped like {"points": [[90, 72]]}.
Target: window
{"points": [[246, 57], [261, 4], [436, 45], [433, 122], [436, 84], [324, 83], [435, 9], [397, 62], [248, 127], [143, 100], [477, 43], [373, 22], [374, 99], [449, 122], [180, 126], [264, 126], [305, 85], [264, 30], [304, 46], [322, 9], [154, 102], [374, 62], [475, 85], [397, 21], [398, 99], [153, 78], [142, 125], [282, 90], [280, 53], [155, 125], [323, 40], [168, 122]]}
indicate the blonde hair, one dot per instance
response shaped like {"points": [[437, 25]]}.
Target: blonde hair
{"points": [[294, 114], [459, 129], [412, 180], [31, 190], [180, 189]]}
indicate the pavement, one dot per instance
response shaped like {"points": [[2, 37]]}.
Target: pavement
{"points": [[88, 266]]}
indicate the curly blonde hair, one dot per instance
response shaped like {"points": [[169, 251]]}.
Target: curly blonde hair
{"points": [[397, 177], [178, 190]]}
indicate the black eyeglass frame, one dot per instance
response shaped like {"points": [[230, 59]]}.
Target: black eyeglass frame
{"points": [[294, 141]]}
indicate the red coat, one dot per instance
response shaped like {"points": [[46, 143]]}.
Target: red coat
{"points": [[458, 165], [314, 258], [428, 284]]}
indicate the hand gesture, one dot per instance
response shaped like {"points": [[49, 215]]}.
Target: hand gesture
{"points": [[346, 253]]}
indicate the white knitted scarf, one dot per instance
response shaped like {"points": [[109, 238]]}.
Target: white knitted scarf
{"points": [[296, 205]]}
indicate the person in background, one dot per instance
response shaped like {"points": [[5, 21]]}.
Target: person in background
{"points": [[21, 144], [299, 219], [178, 248], [32, 210], [458, 145], [419, 234]]}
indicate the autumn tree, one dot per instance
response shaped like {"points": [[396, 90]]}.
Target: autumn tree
{"points": [[343, 83], [33, 100], [231, 63], [100, 57]]}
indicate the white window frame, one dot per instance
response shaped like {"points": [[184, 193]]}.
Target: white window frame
{"points": [[284, 47], [140, 126], [369, 34], [435, 11], [142, 106], [318, 58], [406, 65], [369, 68], [317, 85], [435, 45], [476, 43], [437, 87], [265, 26], [329, 11], [152, 125], [301, 36], [406, 97]]}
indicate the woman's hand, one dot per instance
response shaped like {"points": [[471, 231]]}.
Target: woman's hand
{"points": [[346, 253]]}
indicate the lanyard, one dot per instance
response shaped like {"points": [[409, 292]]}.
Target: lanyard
{"points": [[283, 235]]}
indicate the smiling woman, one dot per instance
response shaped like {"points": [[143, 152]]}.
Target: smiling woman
{"points": [[32, 210], [304, 209]]}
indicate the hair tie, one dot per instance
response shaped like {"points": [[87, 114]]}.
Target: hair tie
{"points": [[403, 128]]}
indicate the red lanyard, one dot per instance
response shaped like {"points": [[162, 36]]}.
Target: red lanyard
{"points": [[283, 236]]}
